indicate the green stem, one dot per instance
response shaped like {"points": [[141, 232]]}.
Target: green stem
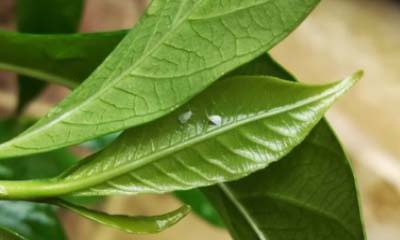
{"points": [[34, 189]]}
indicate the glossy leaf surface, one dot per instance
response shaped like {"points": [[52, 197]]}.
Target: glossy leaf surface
{"points": [[130, 224], [255, 130], [43, 16], [166, 155], [309, 194], [176, 50]]}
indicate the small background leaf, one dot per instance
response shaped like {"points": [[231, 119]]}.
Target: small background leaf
{"points": [[8, 235], [44, 16], [130, 224], [200, 206], [33, 220], [79, 53]]}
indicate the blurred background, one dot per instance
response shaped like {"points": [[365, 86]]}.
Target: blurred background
{"points": [[340, 37]]}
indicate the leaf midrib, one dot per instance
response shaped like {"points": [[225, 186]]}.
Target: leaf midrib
{"points": [[242, 209], [122, 169]]}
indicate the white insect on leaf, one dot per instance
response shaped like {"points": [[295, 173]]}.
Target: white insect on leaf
{"points": [[185, 117], [215, 119]]}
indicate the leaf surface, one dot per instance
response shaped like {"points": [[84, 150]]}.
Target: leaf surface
{"points": [[33, 220], [130, 224], [177, 49], [309, 194], [6, 234], [46, 56], [200, 205], [43, 16], [176, 153]]}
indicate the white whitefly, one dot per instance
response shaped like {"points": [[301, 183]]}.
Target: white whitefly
{"points": [[215, 119], [184, 117]]}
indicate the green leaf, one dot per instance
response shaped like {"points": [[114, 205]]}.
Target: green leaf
{"points": [[176, 51], [49, 16], [200, 205], [176, 154], [130, 224], [44, 16], [33, 220], [46, 56], [309, 194], [6, 234]]}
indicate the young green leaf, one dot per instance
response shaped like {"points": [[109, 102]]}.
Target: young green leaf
{"points": [[6, 234], [309, 194], [170, 154], [176, 50], [130, 224], [44, 16]]}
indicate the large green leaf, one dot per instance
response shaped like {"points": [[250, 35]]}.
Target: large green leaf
{"points": [[6, 234], [130, 224], [176, 50], [309, 194], [239, 125], [44, 16]]}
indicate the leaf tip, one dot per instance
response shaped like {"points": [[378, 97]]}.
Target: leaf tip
{"points": [[350, 81], [357, 75], [184, 210], [173, 217]]}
